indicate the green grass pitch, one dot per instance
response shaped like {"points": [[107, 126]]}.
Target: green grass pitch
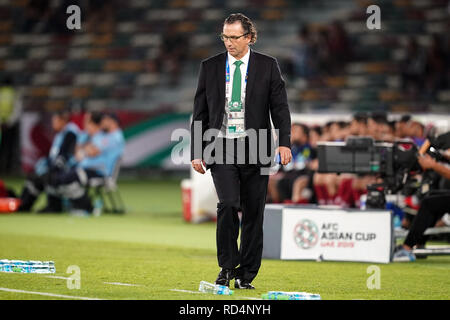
{"points": [[151, 253]]}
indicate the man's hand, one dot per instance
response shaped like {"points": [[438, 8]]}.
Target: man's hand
{"points": [[427, 162], [91, 150], [197, 165], [285, 155], [79, 154]]}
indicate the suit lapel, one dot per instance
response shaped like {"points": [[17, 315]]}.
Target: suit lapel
{"points": [[221, 76], [252, 67]]}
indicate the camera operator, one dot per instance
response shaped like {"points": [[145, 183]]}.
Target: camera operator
{"points": [[432, 208]]}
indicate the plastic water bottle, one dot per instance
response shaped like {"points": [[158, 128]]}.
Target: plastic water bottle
{"points": [[41, 267], [31, 266], [18, 266], [281, 295], [207, 287], [272, 296], [6, 265], [3, 264], [51, 267]]}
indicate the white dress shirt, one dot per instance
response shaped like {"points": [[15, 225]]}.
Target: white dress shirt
{"points": [[243, 68]]}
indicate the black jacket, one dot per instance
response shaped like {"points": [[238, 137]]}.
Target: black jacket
{"points": [[265, 95]]}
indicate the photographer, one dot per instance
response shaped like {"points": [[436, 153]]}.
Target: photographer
{"points": [[432, 208]]}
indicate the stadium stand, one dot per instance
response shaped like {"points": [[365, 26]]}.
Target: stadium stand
{"points": [[115, 59]]}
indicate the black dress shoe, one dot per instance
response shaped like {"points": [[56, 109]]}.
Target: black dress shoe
{"points": [[224, 277], [243, 284]]}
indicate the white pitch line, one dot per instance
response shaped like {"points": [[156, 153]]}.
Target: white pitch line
{"points": [[123, 284], [113, 283], [187, 291], [251, 298], [58, 277], [48, 294]]}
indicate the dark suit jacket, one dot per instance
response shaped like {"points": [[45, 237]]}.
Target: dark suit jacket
{"points": [[265, 95]]}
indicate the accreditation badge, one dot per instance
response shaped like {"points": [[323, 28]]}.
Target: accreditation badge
{"points": [[235, 126], [236, 115]]}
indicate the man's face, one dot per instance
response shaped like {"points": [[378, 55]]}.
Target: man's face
{"points": [[314, 137], [57, 123], [86, 119], [372, 128], [354, 128], [400, 129], [105, 124], [295, 134], [298, 135], [335, 132], [91, 128], [237, 48], [386, 133], [357, 128]]}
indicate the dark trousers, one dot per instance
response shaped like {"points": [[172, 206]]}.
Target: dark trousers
{"points": [[240, 187], [73, 183], [34, 185], [432, 208], [74, 175]]}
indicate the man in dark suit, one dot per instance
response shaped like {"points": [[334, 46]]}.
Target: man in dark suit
{"points": [[237, 93]]}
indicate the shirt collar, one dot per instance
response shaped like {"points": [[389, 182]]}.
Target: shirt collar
{"points": [[244, 59]]}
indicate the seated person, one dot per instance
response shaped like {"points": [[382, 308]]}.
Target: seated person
{"points": [[432, 208], [303, 186], [60, 158], [302, 155], [96, 159], [358, 125], [375, 122], [110, 124], [416, 132]]}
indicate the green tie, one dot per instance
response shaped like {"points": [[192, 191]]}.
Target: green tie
{"points": [[236, 92]]}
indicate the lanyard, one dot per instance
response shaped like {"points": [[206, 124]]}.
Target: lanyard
{"points": [[235, 120], [227, 75]]}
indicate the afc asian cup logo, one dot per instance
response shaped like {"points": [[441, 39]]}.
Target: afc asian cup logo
{"points": [[306, 234]]}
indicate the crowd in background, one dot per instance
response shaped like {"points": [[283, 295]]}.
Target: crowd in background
{"points": [[325, 50], [320, 52], [45, 16], [425, 70]]}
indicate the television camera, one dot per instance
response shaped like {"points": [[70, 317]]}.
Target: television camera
{"points": [[394, 163]]}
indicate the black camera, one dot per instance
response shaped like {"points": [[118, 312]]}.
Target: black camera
{"points": [[393, 162], [362, 155]]}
